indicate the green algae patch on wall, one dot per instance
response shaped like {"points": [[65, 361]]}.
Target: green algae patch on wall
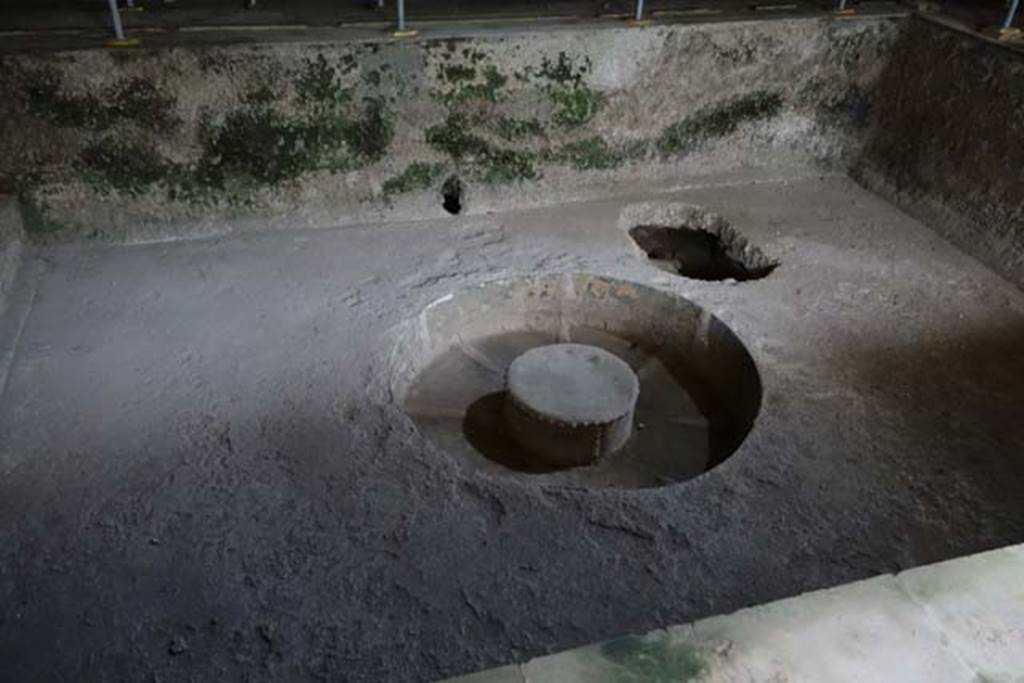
{"points": [[476, 155], [662, 656], [418, 175], [591, 153], [305, 121], [127, 138], [500, 129], [575, 102], [653, 660], [122, 163], [717, 121], [126, 100]]}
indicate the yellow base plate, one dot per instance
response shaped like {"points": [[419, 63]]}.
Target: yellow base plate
{"points": [[126, 42], [1003, 33]]}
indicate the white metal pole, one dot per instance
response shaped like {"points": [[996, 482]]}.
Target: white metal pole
{"points": [[1009, 15], [115, 15]]}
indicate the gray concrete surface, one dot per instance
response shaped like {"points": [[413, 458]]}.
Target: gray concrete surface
{"points": [[202, 475], [959, 620]]}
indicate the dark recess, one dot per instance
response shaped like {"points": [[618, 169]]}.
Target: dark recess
{"points": [[702, 254], [451, 194]]}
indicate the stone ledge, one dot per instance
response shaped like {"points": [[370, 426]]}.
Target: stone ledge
{"points": [[961, 620]]}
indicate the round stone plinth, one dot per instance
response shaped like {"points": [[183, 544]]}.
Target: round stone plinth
{"points": [[570, 404]]}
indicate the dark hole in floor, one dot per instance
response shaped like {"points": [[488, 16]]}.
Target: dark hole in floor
{"points": [[451, 194], [702, 254]]}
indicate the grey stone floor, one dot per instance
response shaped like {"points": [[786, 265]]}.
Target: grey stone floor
{"points": [[201, 476]]}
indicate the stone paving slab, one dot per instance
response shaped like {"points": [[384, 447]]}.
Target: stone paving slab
{"points": [[977, 602], [961, 620]]}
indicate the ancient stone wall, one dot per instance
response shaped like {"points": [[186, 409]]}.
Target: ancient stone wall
{"points": [[947, 140], [137, 145]]}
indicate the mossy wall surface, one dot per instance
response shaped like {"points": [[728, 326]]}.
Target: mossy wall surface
{"points": [[127, 145], [947, 140]]}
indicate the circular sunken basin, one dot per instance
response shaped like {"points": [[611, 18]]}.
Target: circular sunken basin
{"points": [[472, 360]]}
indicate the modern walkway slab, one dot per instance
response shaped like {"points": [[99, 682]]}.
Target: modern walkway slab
{"points": [[961, 620]]}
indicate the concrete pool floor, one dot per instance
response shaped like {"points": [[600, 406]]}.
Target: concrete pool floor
{"points": [[201, 475]]}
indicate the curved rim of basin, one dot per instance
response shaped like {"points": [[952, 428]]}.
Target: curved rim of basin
{"points": [[456, 351]]}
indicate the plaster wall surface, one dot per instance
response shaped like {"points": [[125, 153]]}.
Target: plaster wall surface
{"points": [[203, 475], [947, 140], [188, 141]]}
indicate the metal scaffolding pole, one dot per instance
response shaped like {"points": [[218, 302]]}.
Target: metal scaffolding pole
{"points": [[119, 39], [1008, 22], [115, 15], [401, 31]]}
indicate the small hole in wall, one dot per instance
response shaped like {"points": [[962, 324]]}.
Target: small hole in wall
{"points": [[718, 254], [451, 195]]}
